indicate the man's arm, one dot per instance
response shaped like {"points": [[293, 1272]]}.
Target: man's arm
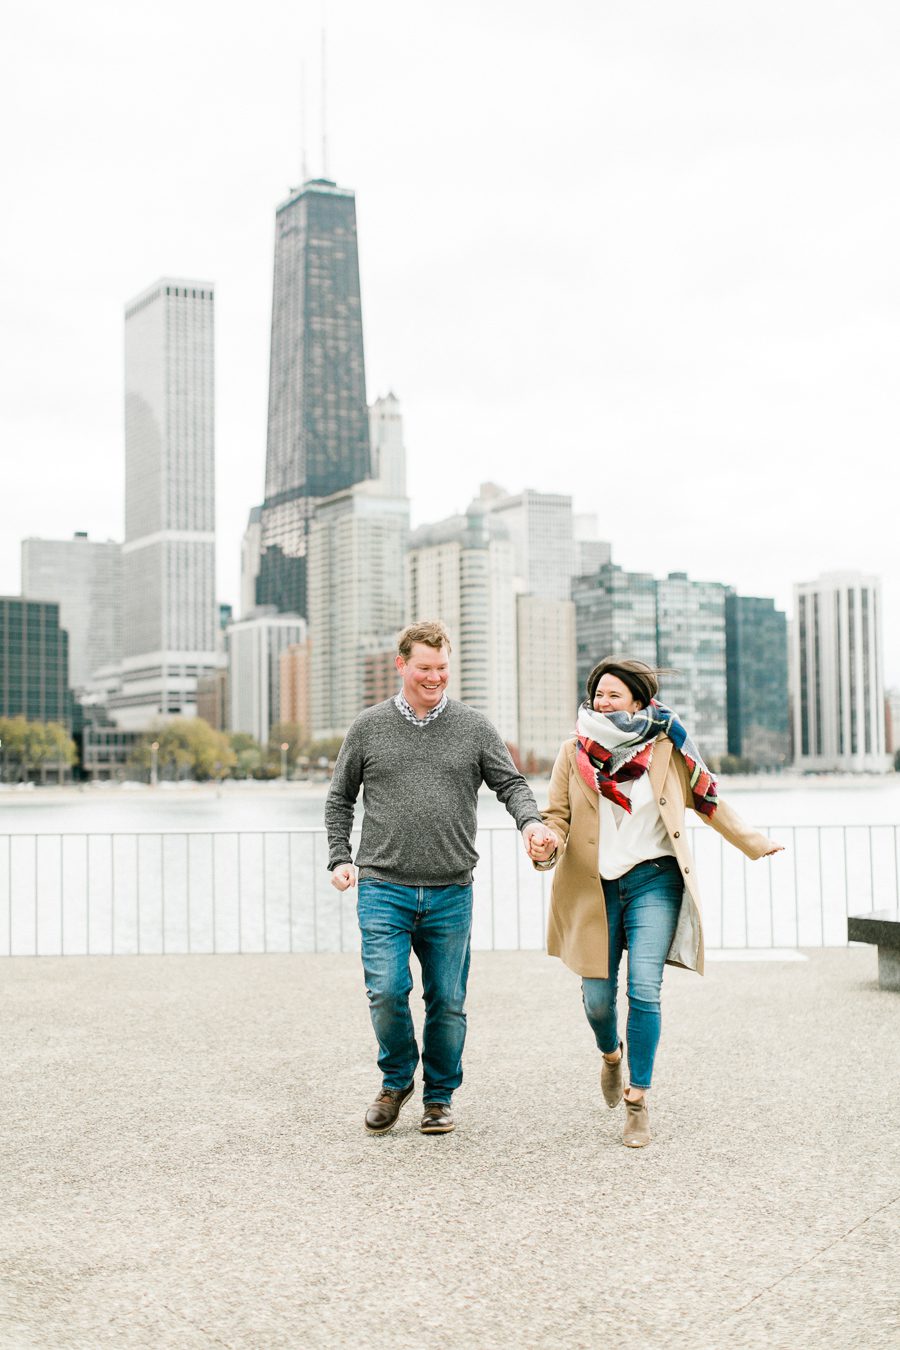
{"points": [[341, 800], [503, 778]]}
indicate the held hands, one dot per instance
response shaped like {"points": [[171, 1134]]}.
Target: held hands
{"points": [[540, 842], [343, 877]]}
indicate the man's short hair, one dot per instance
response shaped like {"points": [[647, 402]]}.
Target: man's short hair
{"points": [[432, 634]]}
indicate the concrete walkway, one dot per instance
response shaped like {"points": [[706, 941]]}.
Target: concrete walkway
{"points": [[184, 1163]]}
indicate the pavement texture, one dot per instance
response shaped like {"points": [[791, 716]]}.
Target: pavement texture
{"points": [[184, 1163]]}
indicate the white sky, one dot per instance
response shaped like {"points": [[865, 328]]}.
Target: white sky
{"points": [[645, 253]]}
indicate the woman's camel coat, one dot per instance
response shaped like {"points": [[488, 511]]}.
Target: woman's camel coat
{"points": [[576, 929]]}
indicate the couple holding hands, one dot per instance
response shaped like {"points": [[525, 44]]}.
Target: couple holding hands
{"points": [[613, 832]]}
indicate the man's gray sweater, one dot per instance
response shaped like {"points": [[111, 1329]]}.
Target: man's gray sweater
{"points": [[420, 793]]}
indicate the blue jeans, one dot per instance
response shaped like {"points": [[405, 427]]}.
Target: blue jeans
{"points": [[642, 910], [436, 923]]}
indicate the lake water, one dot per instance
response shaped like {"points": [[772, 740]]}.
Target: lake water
{"points": [[786, 800], [242, 868]]}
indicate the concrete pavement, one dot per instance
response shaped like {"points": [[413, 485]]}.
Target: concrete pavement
{"points": [[184, 1163]]}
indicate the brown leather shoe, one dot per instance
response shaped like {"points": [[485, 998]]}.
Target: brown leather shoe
{"points": [[382, 1114], [437, 1119]]}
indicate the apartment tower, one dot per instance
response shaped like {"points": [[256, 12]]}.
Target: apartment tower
{"points": [[837, 674], [461, 571]]}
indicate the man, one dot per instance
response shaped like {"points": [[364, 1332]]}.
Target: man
{"points": [[420, 758]]}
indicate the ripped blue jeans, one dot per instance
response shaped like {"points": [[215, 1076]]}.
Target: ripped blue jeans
{"points": [[642, 910]]}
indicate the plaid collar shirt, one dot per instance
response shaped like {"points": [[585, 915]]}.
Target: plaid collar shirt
{"points": [[406, 710]]}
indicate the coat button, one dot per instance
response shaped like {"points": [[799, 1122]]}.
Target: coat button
{"points": [[662, 801], [686, 870], [677, 834]]}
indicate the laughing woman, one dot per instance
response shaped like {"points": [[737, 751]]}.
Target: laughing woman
{"points": [[624, 872]]}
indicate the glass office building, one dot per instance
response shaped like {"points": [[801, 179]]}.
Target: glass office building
{"points": [[756, 656], [690, 641], [615, 615], [34, 662]]}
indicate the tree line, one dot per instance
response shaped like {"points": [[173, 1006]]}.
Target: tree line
{"points": [[34, 747], [189, 748], [186, 748]]}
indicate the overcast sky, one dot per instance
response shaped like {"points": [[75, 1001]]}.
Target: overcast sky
{"points": [[643, 253]]}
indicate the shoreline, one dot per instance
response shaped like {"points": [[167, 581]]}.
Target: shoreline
{"points": [[12, 794]]}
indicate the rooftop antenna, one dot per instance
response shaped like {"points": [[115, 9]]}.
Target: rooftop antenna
{"points": [[304, 174], [324, 103]]}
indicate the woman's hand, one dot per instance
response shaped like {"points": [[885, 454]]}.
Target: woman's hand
{"points": [[540, 842], [776, 848]]}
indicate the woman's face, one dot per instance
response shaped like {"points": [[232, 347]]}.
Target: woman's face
{"points": [[611, 695]]}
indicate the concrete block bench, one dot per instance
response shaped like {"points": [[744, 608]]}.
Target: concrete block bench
{"points": [[882, 927]]}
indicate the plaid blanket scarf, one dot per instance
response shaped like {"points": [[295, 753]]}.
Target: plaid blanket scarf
{"points": [[614, 748]]}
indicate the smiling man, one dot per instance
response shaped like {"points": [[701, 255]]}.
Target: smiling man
{"points": [[420, 758]]}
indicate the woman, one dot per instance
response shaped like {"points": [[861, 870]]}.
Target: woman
{"points": [[624, 872]]}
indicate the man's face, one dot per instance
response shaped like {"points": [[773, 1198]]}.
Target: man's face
{"points": [[424, 675]]}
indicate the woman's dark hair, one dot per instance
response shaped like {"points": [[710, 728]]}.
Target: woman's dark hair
{"points": [[637, 676]]}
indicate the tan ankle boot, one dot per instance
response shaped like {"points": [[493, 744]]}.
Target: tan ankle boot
{"points": [[611, 1079], [637, 1124]]}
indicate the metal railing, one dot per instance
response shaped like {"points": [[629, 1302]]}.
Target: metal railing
{"points": [[267, 891]]}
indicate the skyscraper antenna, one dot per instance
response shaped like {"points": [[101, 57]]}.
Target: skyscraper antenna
{"points": [[304, 174], [324, 104]]}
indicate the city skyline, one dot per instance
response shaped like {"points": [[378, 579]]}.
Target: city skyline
{"points": [[713, 307]]}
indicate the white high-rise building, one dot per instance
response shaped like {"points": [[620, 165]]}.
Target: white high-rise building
{"points": [[84, 577], [546, 676], [357, 542], [837, 674], [388, 450], [461, 571], [541, 528], [169, 549], [255, 645]]}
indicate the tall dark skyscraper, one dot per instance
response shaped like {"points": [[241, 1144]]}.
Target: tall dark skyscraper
{"points": [[756, 654], [318, 433], [34, 662]]}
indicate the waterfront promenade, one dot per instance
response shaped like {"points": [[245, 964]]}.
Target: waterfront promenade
{"points": [[184, 1163]]}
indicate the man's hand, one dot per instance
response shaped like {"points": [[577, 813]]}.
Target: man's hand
{"points": [[343, 877], [540, 842]]}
